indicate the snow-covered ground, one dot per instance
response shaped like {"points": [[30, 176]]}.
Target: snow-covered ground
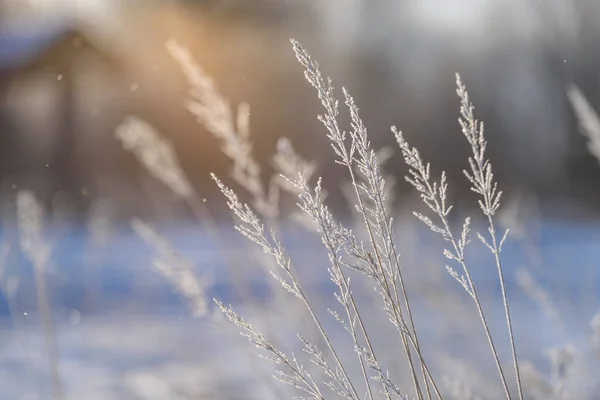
{"points": [[124, 332]]}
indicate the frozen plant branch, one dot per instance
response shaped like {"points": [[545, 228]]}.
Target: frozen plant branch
{"points": [[297, 376], [482, 179], [252, 228], [434, 195]]}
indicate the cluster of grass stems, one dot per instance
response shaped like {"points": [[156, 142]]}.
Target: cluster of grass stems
{"points": [[377, 258], [374, 258]]}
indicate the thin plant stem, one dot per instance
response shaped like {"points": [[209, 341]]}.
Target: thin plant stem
{"points": [[506, 308], [369, 165], [252, 227], [482, 179], [325, 93], [434, 197]]}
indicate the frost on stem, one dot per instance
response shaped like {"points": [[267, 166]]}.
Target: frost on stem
{"points": [[295, 376], [370, 192], [434, 196], [253, 229], [480, 174]]}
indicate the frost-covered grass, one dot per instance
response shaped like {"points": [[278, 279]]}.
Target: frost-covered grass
{"points": [[387, 305], [376, 258]]}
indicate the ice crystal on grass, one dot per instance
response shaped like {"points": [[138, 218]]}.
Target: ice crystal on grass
{"points": [[435, 196]]}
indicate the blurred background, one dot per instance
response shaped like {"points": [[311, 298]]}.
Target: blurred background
{"points": [[72, 71]]}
